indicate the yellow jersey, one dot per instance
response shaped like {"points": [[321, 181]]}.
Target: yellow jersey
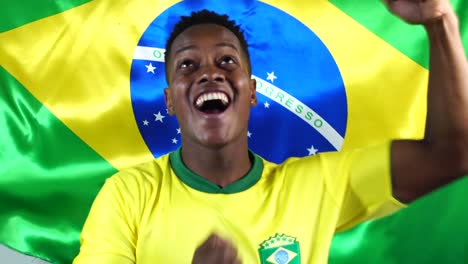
{"points": [[160, 212]]}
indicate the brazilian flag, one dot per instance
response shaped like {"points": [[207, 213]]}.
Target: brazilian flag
{"points": [[81, 98]]}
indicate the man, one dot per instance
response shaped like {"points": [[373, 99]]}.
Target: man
{"points": [[213, 201]]}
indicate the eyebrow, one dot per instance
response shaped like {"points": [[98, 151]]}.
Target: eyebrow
{"points": [[185, 48], [226, 44], [221, 44]]}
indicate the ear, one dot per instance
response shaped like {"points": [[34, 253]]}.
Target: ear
{"points": [[168, 100], [253, 92]]}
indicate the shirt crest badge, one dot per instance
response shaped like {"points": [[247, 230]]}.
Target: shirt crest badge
{"points": [[280, 249]]}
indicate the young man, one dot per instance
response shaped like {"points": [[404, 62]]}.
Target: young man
{"points": [[213, 201]]}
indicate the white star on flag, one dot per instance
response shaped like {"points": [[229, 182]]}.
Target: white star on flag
{"points": [[271, 76], [178, 131], [267, 105], [145, 122], [249, 134], [174, 141], [150, 68], [159, 117], [312, 150]]}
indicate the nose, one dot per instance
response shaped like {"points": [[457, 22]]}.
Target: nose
{"points": [[211, 73]]}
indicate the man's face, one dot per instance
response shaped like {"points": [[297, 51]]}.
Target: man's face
{"points": [[210, 91]]}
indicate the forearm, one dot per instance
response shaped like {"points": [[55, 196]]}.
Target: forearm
{"points": [[420, 167], [447, 115]]}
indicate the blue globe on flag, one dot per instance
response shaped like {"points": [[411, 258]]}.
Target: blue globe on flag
{"points": [[302, 106]]}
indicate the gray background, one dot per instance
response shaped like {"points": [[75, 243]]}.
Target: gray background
{"points": [[9, 256]]}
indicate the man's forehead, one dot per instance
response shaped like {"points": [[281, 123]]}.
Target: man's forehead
{"points": [[200, 34]]}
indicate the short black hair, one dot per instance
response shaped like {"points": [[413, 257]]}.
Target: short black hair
{"points": [[206, 17]]}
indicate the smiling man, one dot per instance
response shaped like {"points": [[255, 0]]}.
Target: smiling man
{"points": [[214, 201], [211, 93]]}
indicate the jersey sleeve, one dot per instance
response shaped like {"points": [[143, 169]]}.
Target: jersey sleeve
{"points": [[109, 233], [361, 184]]}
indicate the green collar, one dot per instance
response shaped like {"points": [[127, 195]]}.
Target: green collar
{"points": [[201, 184]]}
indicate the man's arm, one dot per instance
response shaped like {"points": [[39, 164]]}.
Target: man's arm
{"points": [[419, 167]]}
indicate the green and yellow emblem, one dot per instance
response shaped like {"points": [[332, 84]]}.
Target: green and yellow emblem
{"points": [[280, 249]]}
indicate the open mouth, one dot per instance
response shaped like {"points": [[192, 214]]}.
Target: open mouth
{"points": [[212, 102]]}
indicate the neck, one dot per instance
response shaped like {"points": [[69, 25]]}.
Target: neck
{"points": [[222, 165]]}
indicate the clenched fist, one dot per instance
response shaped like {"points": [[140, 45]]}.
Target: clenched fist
{"points": [[216, 250], [419, 11]]}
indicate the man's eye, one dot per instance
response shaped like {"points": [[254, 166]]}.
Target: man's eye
{"points": [[227, 60], [186, 64]]}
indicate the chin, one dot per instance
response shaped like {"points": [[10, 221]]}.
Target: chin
{"points": [[216, 140], [215, 143]]}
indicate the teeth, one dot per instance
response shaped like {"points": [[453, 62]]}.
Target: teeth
{"points": [[211, 96]]}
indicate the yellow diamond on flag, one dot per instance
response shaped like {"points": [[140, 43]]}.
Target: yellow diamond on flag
{"points": [[281, 256]]}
